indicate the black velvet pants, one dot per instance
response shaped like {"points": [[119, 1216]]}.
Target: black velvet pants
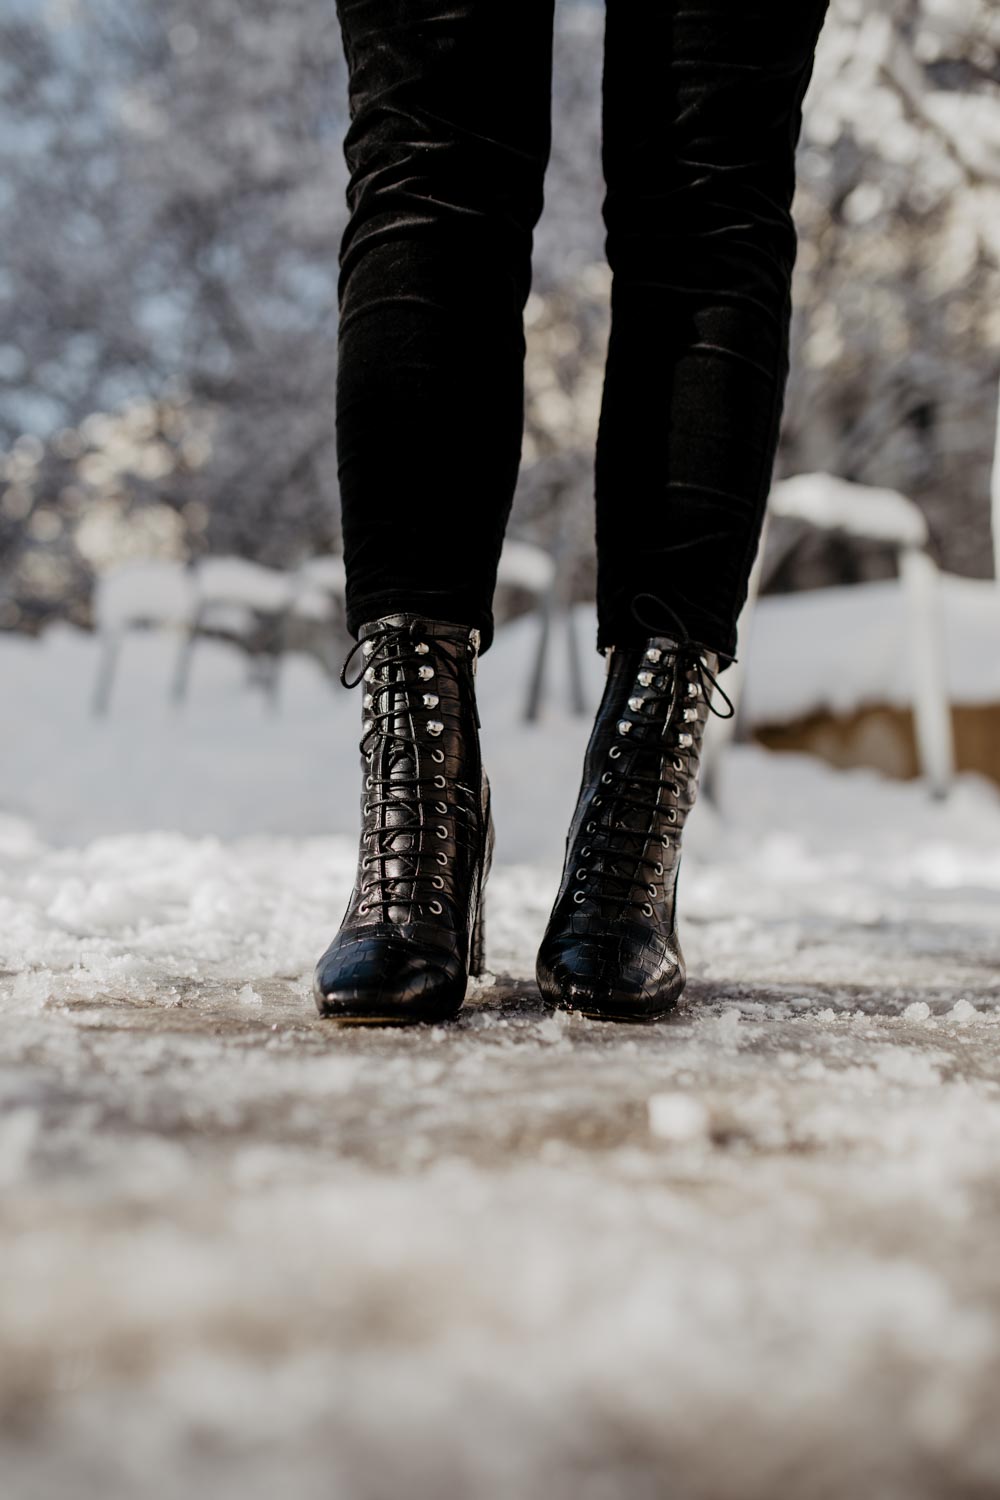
{"points": [[447, 148]]}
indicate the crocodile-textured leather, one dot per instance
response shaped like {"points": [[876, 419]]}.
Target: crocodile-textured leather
{"points": [[413, 929], [610, 948]]}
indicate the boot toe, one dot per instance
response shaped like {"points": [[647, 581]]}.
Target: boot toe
{"points": [[609, 977], [387, 983]]}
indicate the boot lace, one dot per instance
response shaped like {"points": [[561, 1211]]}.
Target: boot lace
{"points": [[619, 837], [414, 818]]}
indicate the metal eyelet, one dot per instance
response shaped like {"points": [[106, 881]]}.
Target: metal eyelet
{"points": [[368, 808], [431, 700], [581, 874], [591, 827], [636, 704], [369, 781], [363, 909], [439, 781], [367, 701], [579, 896], [694, 691], [368, 647], [653, 654], [436, 908], [441, 807], [586, 852], [607, 778], [369, 674], [438, 882], [658, 868], [671, 814], [425, 673], [441, 831], [647, 910], [651, 889], [624, 726], [421, 648], [442, 858], [645, 679], [598, 801], [678, 763], [615, 752], [438, 756], [435, 727]]}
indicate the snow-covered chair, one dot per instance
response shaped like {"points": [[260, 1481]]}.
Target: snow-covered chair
{"points": [[136, 595], [235, 595], [240, 597], [881, 515], [533, 570]]}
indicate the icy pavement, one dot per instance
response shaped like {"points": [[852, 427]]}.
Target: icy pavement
{"points": [[747, 1252]]}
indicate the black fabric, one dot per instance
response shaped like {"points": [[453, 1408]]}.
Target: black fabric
{"points": [[447, 148]]}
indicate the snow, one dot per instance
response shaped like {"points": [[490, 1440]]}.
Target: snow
{"points": [[862, 510], [840, 648], [747, 1252]]}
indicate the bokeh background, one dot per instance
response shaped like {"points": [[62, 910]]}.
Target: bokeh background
{"points": [[748, 1252], [171, 199]]}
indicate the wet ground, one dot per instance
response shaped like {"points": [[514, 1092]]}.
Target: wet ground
{"points": [[750, 1251]]}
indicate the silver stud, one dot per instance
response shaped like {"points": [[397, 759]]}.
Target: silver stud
{"points": [[425, 673], [434, 726], [635, 704], [624, 727], [645, 679], [685, 740], [421, 648], [369, 674], [694, 691], [367, 700], [690, 714], [431, 700], [368, 647], [653, 654], [366, 725]]}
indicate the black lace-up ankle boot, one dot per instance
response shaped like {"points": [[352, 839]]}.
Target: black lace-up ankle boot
{"points": [[413, 929], [611, 948]]}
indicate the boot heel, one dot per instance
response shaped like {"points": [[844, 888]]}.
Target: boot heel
{"points": [[477, 945]]}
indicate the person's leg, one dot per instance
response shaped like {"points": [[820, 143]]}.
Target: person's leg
{"points": [[447, 147], [701, 116]]}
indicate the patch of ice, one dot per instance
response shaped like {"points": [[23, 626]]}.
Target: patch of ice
{"points": [[678, 1117]]}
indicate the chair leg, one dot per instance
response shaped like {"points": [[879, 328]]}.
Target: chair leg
{"points": [[111, 641], [185, 657], [536, 682], [931, 701]]}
